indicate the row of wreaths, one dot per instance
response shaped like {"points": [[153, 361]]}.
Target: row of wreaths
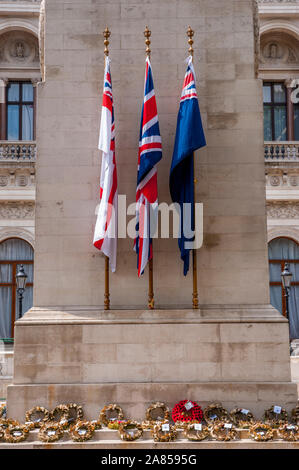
{"points": [[187, 416]]}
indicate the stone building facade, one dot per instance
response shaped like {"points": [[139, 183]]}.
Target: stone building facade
{"points": [[21, 67]]}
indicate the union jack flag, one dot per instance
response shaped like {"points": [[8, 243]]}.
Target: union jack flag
{"points": [[150, 153], [105, 234]]}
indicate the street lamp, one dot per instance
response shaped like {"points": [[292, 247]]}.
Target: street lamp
{"points": [[21, 278], [286, 278]]}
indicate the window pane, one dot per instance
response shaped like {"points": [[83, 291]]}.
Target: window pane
{"points": [[16, 249], [5, 273], [27, 122], [27, 92], [12, 122], [13, 92], [5, 312], [267, 124], [280, 123], [275, 272], [276, 297], [267, 93], [26, 303], [279, 93]]}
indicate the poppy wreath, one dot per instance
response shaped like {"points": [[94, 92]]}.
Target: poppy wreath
{"points": [[147, 425], [157, 406], [126, 426], [275, 419], [163, 436], [81, 431], [241, 419], [50, 432], [222, 433], [214, 413], [37, 415], [288, 432], [180, 412], [17, 433], [110, 409], [261, 432], [193, 434]]}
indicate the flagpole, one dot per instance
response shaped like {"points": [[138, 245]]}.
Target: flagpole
{"points": [[106, 35], [151, 301], [190, 34]]}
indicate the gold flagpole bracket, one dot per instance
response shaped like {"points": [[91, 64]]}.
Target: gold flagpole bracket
{"points": [[151, 302], [147, 34], [190, 34], [106, 35]]}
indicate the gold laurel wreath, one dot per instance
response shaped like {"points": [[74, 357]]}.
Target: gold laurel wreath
{"points": [[288, 432], [194, 434], [77, 427], [295, 415], [163, 436], [44, 430], [110, 408], [29, 416], [2, 409], [221, 433], [215, 409], [240, 419], [130, 424], [9, 433], [275, 419], [96, 424], [78, 410], [5, 423], [157, 406], [256, 429]]}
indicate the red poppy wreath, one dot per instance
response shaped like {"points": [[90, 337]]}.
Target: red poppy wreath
{"points": [[187, 410]]}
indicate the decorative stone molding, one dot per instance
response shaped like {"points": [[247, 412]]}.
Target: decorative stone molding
{"points": [[282, 178], [283, 210], [283, 232], [17, 232], [256, 30], [14, 24], [280, 26], [41, 35], [19, 177], [18, 48], [17, 210]]}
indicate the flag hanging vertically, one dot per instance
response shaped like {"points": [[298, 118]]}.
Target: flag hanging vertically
{"points": [[150, 153], [105, 234], [189, 137]]}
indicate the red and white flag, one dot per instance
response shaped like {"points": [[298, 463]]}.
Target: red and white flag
{"points": [[105, 234]]}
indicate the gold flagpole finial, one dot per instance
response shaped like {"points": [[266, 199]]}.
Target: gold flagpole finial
{"points": [[106, 35], [147, 35], [190, 34]]}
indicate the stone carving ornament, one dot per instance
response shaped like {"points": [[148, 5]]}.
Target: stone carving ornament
{"points": [[283, 210], [18, 47], [17, 210]]}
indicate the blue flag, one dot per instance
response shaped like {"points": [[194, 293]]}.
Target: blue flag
{"points": [[189, 137]]}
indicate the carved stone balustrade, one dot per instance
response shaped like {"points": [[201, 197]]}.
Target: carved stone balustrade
{"points": [[17, 151], [281, 151]]}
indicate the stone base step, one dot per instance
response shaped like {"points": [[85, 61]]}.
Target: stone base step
{"points": [[109, 439]]}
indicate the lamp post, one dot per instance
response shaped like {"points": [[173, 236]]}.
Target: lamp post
{"points": [[286, 277], [21, 278]]}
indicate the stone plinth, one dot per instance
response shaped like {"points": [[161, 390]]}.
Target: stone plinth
{"points": [[237, 355]]}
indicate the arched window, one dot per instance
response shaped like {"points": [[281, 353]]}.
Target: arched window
{"points": [[13, 252], [283, 250]]}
